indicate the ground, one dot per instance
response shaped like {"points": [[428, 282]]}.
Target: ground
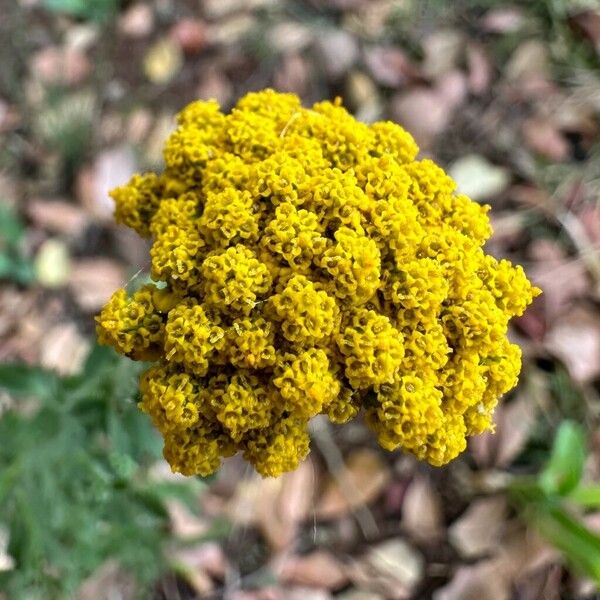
{"points": [[505, 96]]}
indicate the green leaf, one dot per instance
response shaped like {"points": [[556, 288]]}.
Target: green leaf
{"points": [[22, 380], [97, 10], [565, 467], [586, 496], [580, 546]]}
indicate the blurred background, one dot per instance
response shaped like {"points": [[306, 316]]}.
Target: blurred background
{"points": [[506, 96]]}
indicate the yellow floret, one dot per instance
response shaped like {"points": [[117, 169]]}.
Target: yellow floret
{"points": [[307, 263], [306, 382], [234, 278], [136, 202], [307, 313]]}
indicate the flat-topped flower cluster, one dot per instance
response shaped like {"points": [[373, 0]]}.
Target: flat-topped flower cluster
{"points": [[307, 263]]}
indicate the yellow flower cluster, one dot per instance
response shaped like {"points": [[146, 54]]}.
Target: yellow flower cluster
{"points": [[306, 263]]}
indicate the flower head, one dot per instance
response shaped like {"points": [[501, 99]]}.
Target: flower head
{"points": [[308, 263]]}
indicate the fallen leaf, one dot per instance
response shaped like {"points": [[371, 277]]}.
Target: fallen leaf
{"points": [[190, 34], [562, 279], [214, 84], [422, 516], [108, 582], [318, 569], [363, 96], [7, 562], [355, 594], [587, 23], [575, 339], [217, 9], [390, 66], [93, 280], [477, 582], [207, 557], [363, 479], [304, 593], [393, 568], [504, 19], [60, 66], [452, 86], [57, 216], [423, 112], [276, 506], [541, 136], [530, 59], [137, 21], [113, 167], [337, 51], [290, 36], [293, 74], [476, 177], [479, 69], [52, 263], [231, 31], [442, 49], [478, 532], [184, 524], [63, 349], [163, 61]]}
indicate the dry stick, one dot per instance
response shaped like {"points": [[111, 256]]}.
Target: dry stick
{"points": [[321, 432]]}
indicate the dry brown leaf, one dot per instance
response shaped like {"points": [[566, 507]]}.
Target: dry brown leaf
{"points": [[529, 60], [522, 552], [60, 66], [423, 112], [363, 97], [478, 582], [231, 31], [393, 568], [184, 524], [575, 339], [479, 530], [337, 51], [57, 216], [305, 593], [587, 23], [390, 66], [137, 21], [541, 136], [93, 280], [422, 515], [207, 557], [190, 34], [63, 349], [318, 569], [290, 37], [113, 167], [292, 74], [443, 49], [505, 19], [364, 478], [276, 506], [479, 69], [355, 594], [562, 279], [108, 582]]}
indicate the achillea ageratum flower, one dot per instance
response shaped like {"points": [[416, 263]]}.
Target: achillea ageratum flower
{"points": [[308, 263]]}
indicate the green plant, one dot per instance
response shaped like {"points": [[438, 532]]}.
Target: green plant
{"points": [[14, 265], [74, 478], [91, 10], [554, 500]]}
